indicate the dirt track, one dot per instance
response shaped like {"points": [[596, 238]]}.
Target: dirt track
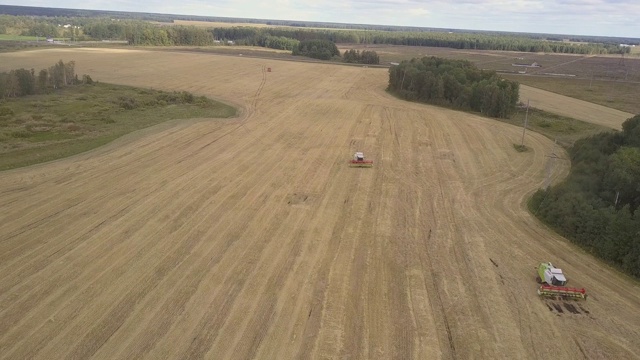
{"points": [[251, 238]]}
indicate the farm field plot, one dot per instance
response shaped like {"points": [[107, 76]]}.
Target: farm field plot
{"points": [[252, 238], [608, 80], [574, 108]]}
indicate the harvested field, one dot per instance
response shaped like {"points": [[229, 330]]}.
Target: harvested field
{"points": [[574, 108], [253, 238]]}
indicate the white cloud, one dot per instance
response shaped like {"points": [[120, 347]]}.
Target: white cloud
{"points": [[418, 12]]}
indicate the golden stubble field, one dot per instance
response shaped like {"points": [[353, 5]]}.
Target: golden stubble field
{"points": [[573, 108], [252, 238]]}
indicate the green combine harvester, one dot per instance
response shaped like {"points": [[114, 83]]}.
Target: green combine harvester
{"points": [[552, 283]]}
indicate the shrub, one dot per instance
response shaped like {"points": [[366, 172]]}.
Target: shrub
{"points": [[544, 124], [169, 98], [20, 134], [127, 102], [86, 79], [73, 127], [187, 97], [6, 111]]}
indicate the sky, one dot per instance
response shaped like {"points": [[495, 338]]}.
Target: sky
{"points": [[573, 17]]}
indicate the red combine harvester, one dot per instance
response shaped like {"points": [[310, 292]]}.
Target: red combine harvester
{"points": [[359, 161], [552, 283]]}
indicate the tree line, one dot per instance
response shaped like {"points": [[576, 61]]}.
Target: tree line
{"points": [[59, 13], [139, 32], [596, 207], [23, 82], [455, 40], [454, 83]]}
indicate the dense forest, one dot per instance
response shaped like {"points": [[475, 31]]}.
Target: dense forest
{"points": [[454, 83], [139, 32], [23, 82], [597, 206]]}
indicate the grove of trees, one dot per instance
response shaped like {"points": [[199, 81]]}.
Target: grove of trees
{"points": [[364, 57], [23, 82], [454, 83], [597, 205], [277, 42], [317, 49]]}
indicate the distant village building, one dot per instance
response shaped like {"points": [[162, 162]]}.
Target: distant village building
{"points": [[532, 65]]}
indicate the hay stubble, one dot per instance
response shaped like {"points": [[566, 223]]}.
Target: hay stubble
{"points": [[252, 238]]}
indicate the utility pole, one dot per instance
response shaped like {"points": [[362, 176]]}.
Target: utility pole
{"points": [[526, 118]]}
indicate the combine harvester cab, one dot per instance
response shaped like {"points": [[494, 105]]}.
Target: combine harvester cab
{"points": [[553, 283], [547, 273], [359, 161]]}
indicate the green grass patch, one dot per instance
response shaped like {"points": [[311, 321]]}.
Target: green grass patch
{"points": [[42, 128], [566, 130], [8, 37], [520, 148]]}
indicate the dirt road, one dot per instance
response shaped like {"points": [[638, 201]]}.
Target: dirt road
{"points": [[252, 238]]}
